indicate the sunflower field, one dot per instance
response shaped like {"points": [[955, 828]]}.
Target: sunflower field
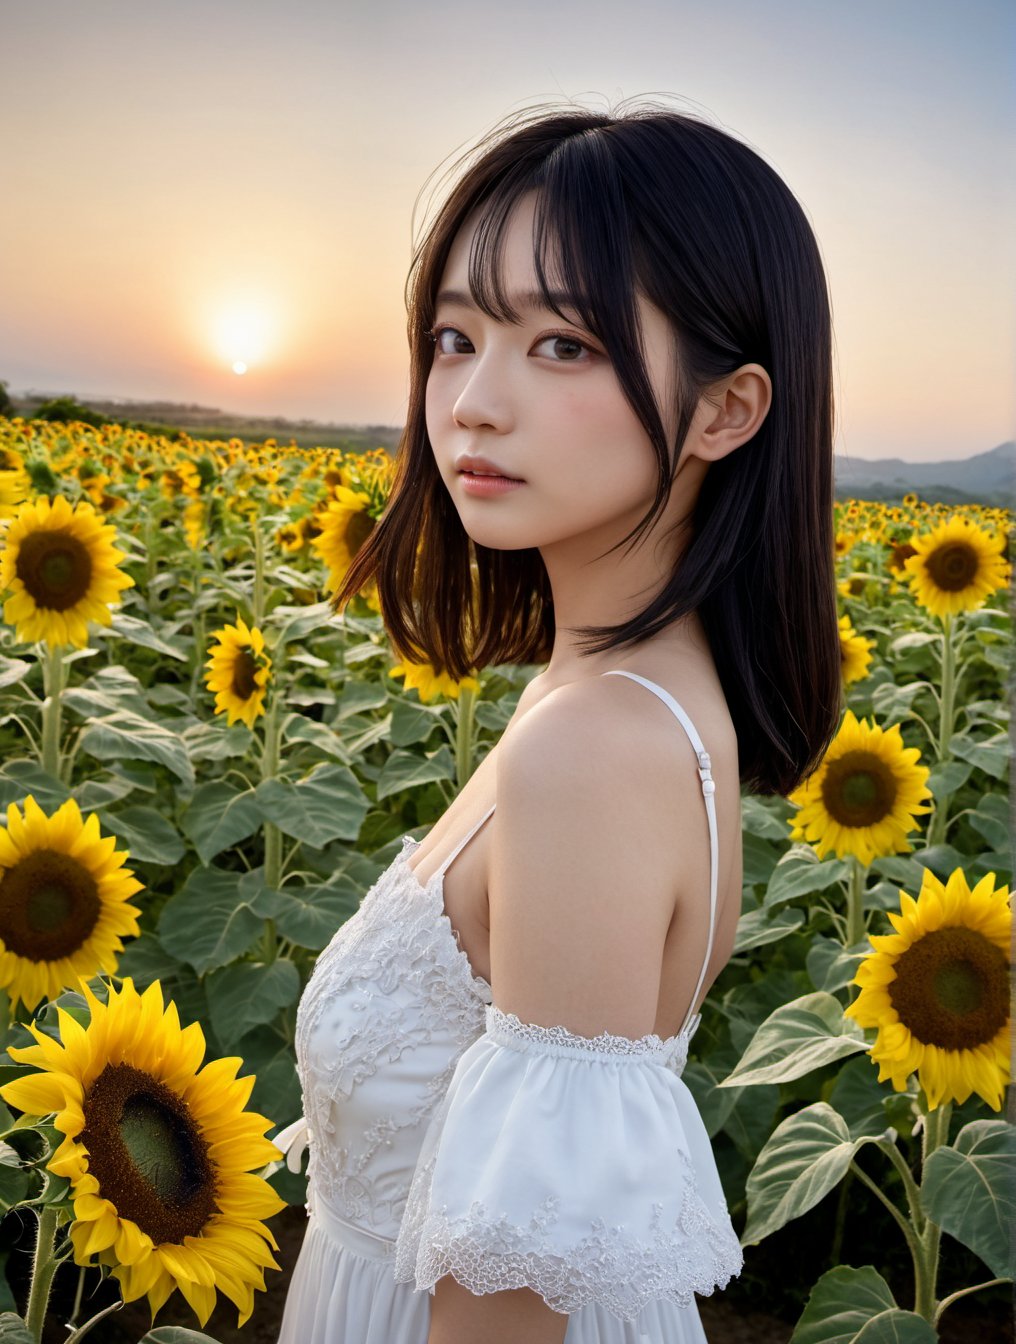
{"points": [[204, 767]]}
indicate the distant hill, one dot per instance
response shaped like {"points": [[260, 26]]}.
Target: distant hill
{"points": [[985, 478]]}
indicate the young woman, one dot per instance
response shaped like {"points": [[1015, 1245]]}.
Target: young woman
{"points": [[617, 463]]}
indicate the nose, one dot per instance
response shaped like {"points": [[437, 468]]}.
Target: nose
{"points": [[483, 401]]}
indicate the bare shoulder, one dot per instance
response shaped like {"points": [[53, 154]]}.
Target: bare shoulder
{"points": [[609, 729], [586, 858]]}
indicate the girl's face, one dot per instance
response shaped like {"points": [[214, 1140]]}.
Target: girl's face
{"points": [[542, 403]]}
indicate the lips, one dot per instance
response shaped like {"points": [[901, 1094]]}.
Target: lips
{"points": [[475, 465]]}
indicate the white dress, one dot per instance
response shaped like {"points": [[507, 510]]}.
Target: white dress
{"points": [[446, 1136]]}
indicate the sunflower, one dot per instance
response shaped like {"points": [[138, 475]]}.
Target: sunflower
{"points": [[13, 487], [195, 524], [63, 901], [62, 568], [345, 525], [956, 566], [865, 794], [158, 1154], [855, 652], [238, 672], [429, 684], [938, 991]]}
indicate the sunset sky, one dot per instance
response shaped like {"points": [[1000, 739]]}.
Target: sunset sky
{"points": [[193, 183]]}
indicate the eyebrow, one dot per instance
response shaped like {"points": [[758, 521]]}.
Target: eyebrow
{"points": [[531, 300]]}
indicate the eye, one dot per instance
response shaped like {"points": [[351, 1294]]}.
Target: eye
{"points": [[572, 341], [442, 347], [571, 354]]}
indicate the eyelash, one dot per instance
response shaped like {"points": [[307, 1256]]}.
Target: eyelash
{"points": [[436, 331]]}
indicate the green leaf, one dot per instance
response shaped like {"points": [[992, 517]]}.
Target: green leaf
{"points": [[856, 1306], [412, 723], [266, 1054], [758, 927], [176, 1334], [906, 872], [219, 816], [967, 1189], [95, 793], [831, 965], [914, 639], [139, 632], [947, 778], [18, 779], [796, 1039], [295, 623], [991, 819], [309, 916], [859, 1097], [146, 833], [127, 736], [805, 1157], [298, 728], [328, 805], [991, 756], [145, 959], [358, 696], [759, 817], [13, 670], [213, 741], [802, 874], [209, 923], [13, 1329], [407, 770], [14, 1183], [247, 994]]}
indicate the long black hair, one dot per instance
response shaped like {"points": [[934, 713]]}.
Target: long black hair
{"points": [[661, 202]]}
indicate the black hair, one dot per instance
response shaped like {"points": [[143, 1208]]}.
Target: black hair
{"points": [[663, 203]]}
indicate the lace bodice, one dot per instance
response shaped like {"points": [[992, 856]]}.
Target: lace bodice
{"points": [[466, 1140]]}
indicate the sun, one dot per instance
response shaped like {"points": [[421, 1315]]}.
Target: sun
{"points": [[244, 332]]}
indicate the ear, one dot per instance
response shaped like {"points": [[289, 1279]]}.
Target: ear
{"points": [[729, 413]]}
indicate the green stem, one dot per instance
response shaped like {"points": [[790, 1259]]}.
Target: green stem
{"points": [[52, 675], [855, 912], [273, 836], [913, 1193], [259, 576], [464, 737], [905, 1227], [936, 830], [965, 1292], [43, 1269], [935, 1134]]}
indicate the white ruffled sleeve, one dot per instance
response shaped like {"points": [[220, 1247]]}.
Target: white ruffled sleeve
{"points": [[578, 1167]]}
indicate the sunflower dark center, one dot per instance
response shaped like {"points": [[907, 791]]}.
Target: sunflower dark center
{"points": [[952, 988], [902, 552], [244, 667], [49, 905], [145, 1151], [858, 789], [55, 568], [358, 529], [953, 567]]}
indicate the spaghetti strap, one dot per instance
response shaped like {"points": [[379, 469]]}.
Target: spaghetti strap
{"points": [[464, 841], [708, 789]]}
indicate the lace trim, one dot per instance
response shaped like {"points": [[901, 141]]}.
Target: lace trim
{"points": [[527, 1037], [620, 1271]]}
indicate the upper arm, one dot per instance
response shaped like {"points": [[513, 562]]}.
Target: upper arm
{"points": [[583, 863]]}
